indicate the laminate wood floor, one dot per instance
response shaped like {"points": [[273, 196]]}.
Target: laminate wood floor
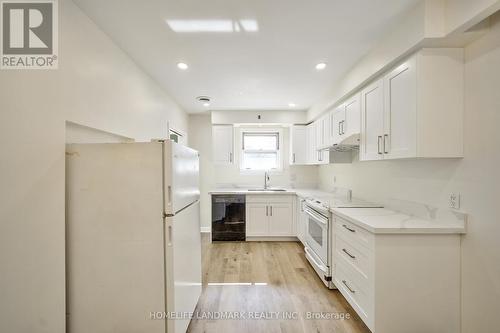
{"points": [[266, 279]]}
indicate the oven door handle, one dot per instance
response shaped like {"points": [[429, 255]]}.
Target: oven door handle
{"points": [[316, 216], [311, 256]]}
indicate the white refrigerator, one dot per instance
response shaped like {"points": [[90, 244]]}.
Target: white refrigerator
{"points": [[133, 237]]}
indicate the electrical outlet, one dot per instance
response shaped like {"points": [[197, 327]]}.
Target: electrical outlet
{"points": [[455, 200]]}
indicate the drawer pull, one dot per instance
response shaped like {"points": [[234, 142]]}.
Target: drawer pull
{"points": [[351, 230], [347, 286], [347, 252]]}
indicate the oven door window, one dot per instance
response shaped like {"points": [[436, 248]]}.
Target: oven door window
{"points": [[317, 238], [315, 231]]}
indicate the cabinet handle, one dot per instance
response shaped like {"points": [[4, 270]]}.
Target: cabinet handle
{"points": [[271, 210], [343, 129], [347, 286], [339, 128], [267, 210], [293, 157], [386, 136], [378, 144], [230, 157], [351, 230], [347, 252]]}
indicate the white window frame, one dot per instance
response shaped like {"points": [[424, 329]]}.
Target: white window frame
{"points": [[280, 150]]}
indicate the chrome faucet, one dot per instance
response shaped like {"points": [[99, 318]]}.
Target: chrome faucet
{"points": [[266, 179]]}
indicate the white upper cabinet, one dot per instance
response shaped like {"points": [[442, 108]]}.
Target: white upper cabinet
{"points": [[352, 118], [222, 144], [400, 111], [322, 132], [415, 110], [312, 153], [345, 120], [338, 121], [315, 132], [372, 120], [298, 145]]}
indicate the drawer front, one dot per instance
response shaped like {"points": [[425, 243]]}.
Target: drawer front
{"points": [[358, 294], [355, 255], [270, 198], [352, 233]]}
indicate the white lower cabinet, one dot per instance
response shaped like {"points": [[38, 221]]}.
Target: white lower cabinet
{"points": [[257, 223], [399, 282], [270, 216], [301, 220]]}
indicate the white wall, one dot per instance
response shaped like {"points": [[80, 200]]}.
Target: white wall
{"points": [[475, 177], [252, 117], [76, 133], [96, 85], [429, 23], [200, 138], [104, 88]]}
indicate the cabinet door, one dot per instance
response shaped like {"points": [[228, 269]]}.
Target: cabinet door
{"points": [[222, 141], [301, 222], [372, 122], [332, 130], [313, 153], [257, 221], [325, 124], [298, 145], [352, 119], [400, 112], [319, 133], [281, 219], [339, 118]]}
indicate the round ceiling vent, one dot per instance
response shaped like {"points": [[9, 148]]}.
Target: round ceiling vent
{"points": [[203, 99]]}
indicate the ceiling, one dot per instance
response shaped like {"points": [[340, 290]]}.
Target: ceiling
{"points": [[245, 54]]}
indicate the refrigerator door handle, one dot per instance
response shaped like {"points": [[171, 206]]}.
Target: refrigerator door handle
{"points": [[169, 235], [169, 194]]}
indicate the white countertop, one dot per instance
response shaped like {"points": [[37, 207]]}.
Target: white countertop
{"points": [[385, 221], [235, 190], [375, 220], [296, 191]]}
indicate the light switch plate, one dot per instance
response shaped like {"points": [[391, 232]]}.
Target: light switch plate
{"points": [[455, 200]]}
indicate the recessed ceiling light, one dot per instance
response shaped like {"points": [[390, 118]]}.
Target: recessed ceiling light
{"points": [[206, 104], [182, 66], [292, 105], [321, 66]]}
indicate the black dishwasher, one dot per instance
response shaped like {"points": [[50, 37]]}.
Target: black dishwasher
{"points": [[228, 218]]}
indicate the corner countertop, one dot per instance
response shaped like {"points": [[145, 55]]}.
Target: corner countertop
{"points": [[236, 190], [374, 220], [385, 221], [301, 192]]}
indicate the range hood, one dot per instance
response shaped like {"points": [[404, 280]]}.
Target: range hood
{"points": [[349, 143]]}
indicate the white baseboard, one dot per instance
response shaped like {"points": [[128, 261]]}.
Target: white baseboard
{"points": [[205, 229]]}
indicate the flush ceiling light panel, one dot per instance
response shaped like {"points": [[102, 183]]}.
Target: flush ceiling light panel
{"points": [[320, 66], [215, 26]]}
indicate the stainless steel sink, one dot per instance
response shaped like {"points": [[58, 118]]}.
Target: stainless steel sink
{"points": [[266, 190]]}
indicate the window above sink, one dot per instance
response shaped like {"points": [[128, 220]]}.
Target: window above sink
{"points": [[261, 150]]}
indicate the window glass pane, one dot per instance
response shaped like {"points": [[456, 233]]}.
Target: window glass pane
{"points": [[260, 161], [260, 141]]}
